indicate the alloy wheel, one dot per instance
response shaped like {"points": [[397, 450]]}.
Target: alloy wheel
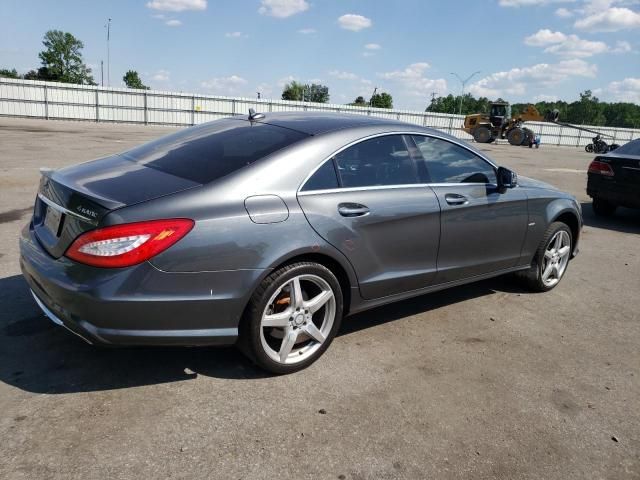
{"points": [[298, 319], [556, 258]]}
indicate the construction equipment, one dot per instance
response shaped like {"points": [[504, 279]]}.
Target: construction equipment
{"points": [[485, 128]]}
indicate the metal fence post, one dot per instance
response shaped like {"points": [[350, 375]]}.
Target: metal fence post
{"points": [[560, 135], [579, 138], [46, 103], [193, 110], [233, 107], [97, 106], [146, 111], [450, 125]]}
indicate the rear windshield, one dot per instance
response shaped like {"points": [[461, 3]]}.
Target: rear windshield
{"points": [[212, 150], [631, 148]]}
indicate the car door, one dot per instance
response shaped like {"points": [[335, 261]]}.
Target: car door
{"points": [[369, 202], [482, 227]]}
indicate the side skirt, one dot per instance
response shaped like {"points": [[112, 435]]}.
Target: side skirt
{"points": [[358, 304]]}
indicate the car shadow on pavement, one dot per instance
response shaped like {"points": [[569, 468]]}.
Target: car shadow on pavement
{"points": [[38, 356], [625, 220]]}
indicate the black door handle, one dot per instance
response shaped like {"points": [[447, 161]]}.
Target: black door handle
{"points": [[456, 199], [352, 210]]}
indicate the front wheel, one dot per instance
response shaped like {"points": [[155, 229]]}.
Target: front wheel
{"points": [[588, 148], [292, 318], [551, 259]]}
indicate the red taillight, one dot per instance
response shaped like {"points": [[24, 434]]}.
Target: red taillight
{"points": [[127, 244], [601, 168]]}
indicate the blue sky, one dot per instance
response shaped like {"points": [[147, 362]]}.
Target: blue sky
{"points": [[525, 50]]}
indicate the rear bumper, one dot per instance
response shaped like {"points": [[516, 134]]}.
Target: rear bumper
{"points": [[140, 305], [613, 192]]}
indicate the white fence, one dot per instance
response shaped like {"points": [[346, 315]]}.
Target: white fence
{"points": [[51, 100]]}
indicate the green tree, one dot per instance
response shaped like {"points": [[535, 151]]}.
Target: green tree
{"points": [[359, 102], [62, 59], [381, 100], [132, 80], [300, 92], [5, 72], [293, 91]]}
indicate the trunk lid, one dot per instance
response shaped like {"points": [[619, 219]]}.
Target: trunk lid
{"points": [[626, 168], [75, 199]]}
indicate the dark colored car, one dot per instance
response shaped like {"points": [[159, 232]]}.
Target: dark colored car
{"points": [[266, 231], [614, 179]]}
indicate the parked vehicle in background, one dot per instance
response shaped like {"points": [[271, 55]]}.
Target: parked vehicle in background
{"points": [[598, 145], [267, 230], [614, 179]]}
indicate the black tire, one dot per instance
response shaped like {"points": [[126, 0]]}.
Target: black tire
{"points": [[516, 136], [249, 340], [482, 134], [589, 148], [602, 207], [532, 277]]}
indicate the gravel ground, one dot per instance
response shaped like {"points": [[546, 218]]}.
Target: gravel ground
{"points": [[481, 381]]}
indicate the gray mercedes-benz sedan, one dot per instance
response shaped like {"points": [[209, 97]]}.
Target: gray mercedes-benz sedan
{"points": [[267, 230]]}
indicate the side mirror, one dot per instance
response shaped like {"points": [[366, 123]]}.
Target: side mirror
{"points": [[507, 178]]}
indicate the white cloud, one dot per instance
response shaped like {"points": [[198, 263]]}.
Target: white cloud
{"points": [[354, 22], [413, 80], [627, 90], [173, 23], [622, 47], [177, 5], [544, 37], [372, 46], [235, 35], [160, 76], [564, 13], [307, 31], [527, 3], [520, 81], [575, 47], [609, 20], [282, 8], [545, 98], [572, 46], [343, 75], [224, 85]]}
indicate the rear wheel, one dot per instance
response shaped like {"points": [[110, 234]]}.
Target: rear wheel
{"points": [[516, 136], [589, 148], [603, 208], [551, 259], [292, 318], [482, 134]]}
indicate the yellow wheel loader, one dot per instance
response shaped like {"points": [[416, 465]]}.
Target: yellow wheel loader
{"points": [[499, 123]]}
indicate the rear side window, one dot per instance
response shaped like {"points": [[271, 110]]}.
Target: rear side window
{"points": [[449, 163], [378, 161], [210, 151], [631, 148], [324, 178]]}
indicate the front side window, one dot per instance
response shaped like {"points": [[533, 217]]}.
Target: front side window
{"points": [[378, 161], [449, 163]]}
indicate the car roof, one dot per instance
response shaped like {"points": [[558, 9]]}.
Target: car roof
{"points": [[317, 123]]}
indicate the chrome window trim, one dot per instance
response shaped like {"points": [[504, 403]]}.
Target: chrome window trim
{"points": [[394, 187], [384, 134], [66, 211]]}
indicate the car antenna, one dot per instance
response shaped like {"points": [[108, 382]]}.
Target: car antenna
{"points": [[253, 115]]}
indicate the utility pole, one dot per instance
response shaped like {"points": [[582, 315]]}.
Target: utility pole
{"points": [[102, 72], [108, 25], [375, 89], [258, 95], [464, 83], [433, 99]]}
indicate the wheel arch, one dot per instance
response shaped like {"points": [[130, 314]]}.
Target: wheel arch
{"points": [[569, 217], [339, 267]]}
